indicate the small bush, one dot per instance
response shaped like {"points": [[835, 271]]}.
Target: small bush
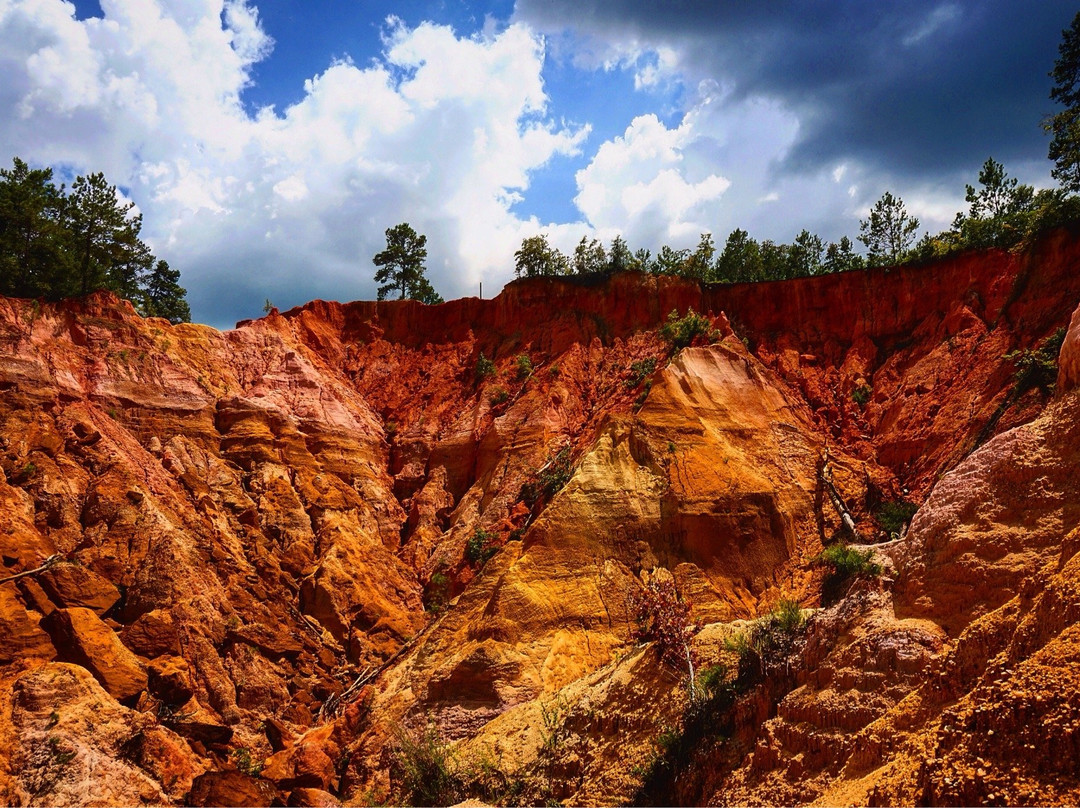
{"points": [[436, 591], [682, 331], [484, 368], [1037, 368], [426, 769], [245, 763], [550, 479], [498, 396], [713, 678], [644, 394], [766, 643], [892, 516], [861, 394], [640, 371], [845, 564], [524, 366], [479, 546]]}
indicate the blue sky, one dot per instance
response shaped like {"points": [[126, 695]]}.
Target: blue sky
{"points": [[269, 144]]}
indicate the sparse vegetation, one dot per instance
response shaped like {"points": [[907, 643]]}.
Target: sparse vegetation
{"points": [[485, 368], [1039, 367], [435, 594], [845, 563], [550, 478], [480, 546], [640, 371], [245, 762], [894, 516], [497, 396], [524, 366], [681, 332], [663, 617], [426, 769], [766, 643], [861, 394]]}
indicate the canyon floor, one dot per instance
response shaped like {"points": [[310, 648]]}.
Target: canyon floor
{"points": [[386, 552]]}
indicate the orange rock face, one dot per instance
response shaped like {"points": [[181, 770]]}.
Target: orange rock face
{"points": [[284, 551]]}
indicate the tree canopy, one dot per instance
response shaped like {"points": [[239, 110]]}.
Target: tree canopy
{"points": [[401, 266], [1064, 127], [55, 244]]}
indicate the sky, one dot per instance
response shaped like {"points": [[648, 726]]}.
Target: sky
{"points": [[269, 144]]}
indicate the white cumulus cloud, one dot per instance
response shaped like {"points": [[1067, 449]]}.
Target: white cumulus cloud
{"points": [[442, 131]]}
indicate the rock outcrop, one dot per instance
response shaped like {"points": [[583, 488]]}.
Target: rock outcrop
{"points": [[270, 564]]}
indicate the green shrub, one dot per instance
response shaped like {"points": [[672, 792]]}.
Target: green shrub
{"points": [[640, 371], [682, 331], [436, 591], [498, 396], [479, 546], [1037, 368], [550, 479], [425, 768], [245, 763], [713, 678], [766, 643], [861, 394], [892, 516], [524, 366], [845, 564], [484, 368]]}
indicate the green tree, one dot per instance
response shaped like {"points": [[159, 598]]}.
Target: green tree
{"points": [[699, 264], [998, 211], [589, 257], [31, 233], [620, 259], [805, 254], [669, 261], [163, 296], [401, 264], [889, 232], [106, 252], [537, 258], [840, 256], [740, 260], [1064, 127]]}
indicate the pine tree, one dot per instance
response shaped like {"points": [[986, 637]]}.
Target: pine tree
{"points": [[401, 264], [1065, 125], [163, 296], [105, 247], [889, 232], [32, 261]]}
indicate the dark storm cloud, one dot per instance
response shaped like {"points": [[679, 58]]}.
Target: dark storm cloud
{"points": [[914, 88]]}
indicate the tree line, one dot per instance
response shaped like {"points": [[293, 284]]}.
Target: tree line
{"points": [[57, 242], [1001, 213]]}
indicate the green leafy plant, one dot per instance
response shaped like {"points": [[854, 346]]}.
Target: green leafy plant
{"points": [[682, 331], [766, 643], [435, 594], [861, 394], [640, 371], [245, 763], [480, 546], [893, 516], [485, 368], [845, 563], [550, 478], [524, 366], [426, 768], [1037, 368], [497, 396], [60, 755]]}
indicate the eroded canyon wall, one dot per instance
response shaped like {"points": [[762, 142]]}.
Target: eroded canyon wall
{"points": [[259, 559]]}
